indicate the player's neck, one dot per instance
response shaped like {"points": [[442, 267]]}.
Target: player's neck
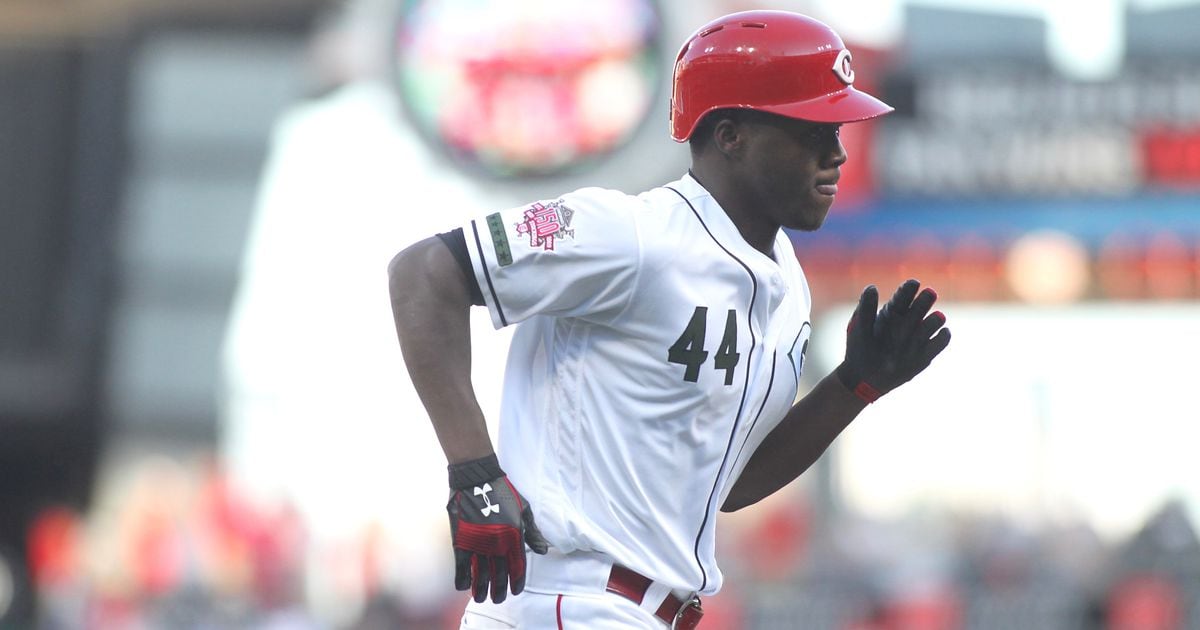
{"points": [[749, 221]]}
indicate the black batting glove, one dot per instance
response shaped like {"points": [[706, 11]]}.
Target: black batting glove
{"points": [[490, 524], [884, 350]]}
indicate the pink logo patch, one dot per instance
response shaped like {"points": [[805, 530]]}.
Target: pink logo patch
{"points": [[545, 223]]}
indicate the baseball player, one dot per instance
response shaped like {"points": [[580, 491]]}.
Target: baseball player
{"points": [[660, 340]]}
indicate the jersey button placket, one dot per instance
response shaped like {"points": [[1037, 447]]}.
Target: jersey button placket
{"points": [[777, 291]]}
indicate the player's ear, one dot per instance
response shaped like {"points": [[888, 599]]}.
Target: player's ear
{"points": [[728, 136]]}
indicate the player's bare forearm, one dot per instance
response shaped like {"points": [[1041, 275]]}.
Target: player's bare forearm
{"points": [[431, 307], [801, 437]]}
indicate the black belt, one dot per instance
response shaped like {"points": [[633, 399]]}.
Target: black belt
{"points": [[677, 613]]}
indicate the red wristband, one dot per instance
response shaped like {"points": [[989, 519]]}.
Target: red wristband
{"points": [[851, 381], [864, 391]]}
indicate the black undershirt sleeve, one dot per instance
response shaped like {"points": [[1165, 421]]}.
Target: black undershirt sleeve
{"points": [[457, 242]]}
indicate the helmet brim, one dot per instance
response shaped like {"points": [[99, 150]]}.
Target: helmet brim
{"points": [[844, 106]]}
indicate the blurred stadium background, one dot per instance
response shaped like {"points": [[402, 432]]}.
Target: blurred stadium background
{"points": [[204, 422]]}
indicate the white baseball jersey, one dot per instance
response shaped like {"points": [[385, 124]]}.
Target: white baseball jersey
{"points": [[656, 349]]}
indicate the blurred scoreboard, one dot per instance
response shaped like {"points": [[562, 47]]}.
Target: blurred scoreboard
{"points": [[528, 89], [1009, 131]]}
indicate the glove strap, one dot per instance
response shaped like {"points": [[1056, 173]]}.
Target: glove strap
{"points": [[475, 472], [852, 382], [864, 391]]}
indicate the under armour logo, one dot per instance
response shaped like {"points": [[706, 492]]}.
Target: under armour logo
{"points": [[488, 505]]}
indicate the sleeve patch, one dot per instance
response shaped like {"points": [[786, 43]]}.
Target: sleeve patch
{"points": [[499, 239], [546, 223]]}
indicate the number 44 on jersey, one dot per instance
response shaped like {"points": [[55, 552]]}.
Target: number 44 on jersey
{"points": [[689, 350]]}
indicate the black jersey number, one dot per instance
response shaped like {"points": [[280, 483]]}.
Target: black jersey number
{"points": [[689, 350]]}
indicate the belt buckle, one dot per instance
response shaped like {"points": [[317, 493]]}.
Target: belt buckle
{"points": [[691, 603]]}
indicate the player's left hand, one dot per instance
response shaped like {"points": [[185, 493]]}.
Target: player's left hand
{"points": [[887, 349], [490, 524]]}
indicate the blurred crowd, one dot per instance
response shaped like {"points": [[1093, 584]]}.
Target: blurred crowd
{"points": [[1040, 266], [173, 544]]}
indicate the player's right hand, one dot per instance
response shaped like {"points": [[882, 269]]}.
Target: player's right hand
{"points": [[490, 524], [887, 349]]}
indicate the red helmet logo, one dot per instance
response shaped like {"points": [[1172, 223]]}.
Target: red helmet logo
{"points": [[841, 67]]}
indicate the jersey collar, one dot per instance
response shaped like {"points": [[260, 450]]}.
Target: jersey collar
{"points": [[718, 222]]}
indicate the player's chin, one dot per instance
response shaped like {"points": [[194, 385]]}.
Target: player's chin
{"points": [[811, 217]]}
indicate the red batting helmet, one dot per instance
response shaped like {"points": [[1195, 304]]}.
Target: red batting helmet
{"points": [[773, 61]]}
